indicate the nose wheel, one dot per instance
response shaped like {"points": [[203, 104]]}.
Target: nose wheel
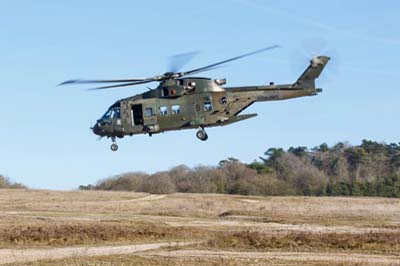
{"points": [[114, 146], [201, 134]]}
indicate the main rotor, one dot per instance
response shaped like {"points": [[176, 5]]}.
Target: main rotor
{"points": [[178, 62]]}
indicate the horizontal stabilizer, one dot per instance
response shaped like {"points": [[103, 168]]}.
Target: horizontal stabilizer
{"points": [[237, 118]]}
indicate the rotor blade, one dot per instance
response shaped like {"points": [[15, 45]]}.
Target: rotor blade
{"points": [[83, 81], [122, 85], [201, 69], [176, 62]]}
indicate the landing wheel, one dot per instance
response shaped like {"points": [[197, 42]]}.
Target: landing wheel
{"points": [[114, 147], [202, 135]]}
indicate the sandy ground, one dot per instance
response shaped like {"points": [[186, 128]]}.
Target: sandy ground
{"points": [[28, 255], [285, 256]]}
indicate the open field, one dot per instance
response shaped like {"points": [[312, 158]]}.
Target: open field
{"points": [[123, 228]]}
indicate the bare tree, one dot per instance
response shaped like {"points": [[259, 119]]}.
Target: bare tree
{"points": [[159, 183]]}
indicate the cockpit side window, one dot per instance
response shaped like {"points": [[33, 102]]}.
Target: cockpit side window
{"points": [[112, 113], [107, 115], [116, 113]]}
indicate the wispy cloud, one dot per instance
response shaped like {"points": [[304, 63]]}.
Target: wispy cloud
{"points": [[342, 33], [275, 11], [317, 24]]}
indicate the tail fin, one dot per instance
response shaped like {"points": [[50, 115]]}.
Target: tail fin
{"points": [[307, 79]]}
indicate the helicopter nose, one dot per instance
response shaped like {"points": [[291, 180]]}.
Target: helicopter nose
{"points": [[96, 129]]}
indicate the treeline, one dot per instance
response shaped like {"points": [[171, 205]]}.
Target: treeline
{"points": [[369, 169], [5, 182]]}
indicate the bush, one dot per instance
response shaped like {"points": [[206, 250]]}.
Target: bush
{"points": [[6, 183], [369, 169], [159, 183], [124, 182], [304, 177]]}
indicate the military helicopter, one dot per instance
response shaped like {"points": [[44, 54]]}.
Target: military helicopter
{"points": [[181, 101]]}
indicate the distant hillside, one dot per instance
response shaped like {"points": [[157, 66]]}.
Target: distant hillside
{"points": [[6, 183], [368, 169]]}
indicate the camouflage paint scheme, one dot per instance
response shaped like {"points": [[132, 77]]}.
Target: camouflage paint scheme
{"points": [[202, 103]]}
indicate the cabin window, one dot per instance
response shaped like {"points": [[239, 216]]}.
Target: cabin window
{"points": [[148, 111], [163, 110], [207, 106], [176, 109], [223, 100]]}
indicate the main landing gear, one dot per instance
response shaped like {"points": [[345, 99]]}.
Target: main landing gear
{"points": [[201, 134], [114, 146]]}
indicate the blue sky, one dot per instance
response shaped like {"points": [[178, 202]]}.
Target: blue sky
{"points": [[45, 138]]}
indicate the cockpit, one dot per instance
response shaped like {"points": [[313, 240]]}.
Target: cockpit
{"points": [[114, 112], [103, 125]]}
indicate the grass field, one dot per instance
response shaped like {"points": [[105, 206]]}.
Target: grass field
{"points": [[65, 228]]}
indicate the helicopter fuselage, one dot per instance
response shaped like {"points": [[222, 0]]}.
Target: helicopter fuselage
{"points": [[189, 103]]}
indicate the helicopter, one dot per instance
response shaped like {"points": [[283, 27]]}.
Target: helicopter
{"points": [[182, 101]]}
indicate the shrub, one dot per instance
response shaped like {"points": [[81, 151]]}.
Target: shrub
{"points": [[6, 183]]}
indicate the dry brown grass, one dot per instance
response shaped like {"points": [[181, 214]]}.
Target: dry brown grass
{"points": [[92, 204], [90, 233], [387, 243]]}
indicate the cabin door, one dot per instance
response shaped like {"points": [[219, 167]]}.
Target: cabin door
{"points": [[137, 114]]}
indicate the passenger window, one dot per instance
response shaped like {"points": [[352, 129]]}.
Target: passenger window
{"points": [[176, 109], [148, 111], [207, 106], [163, 110]]}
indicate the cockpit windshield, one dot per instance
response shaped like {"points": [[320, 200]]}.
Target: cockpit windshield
{"points": [[112, 113]]}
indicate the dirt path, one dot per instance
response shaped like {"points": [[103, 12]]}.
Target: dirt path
{"points": [[364, 259], [29, 255], [151, 197]]}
